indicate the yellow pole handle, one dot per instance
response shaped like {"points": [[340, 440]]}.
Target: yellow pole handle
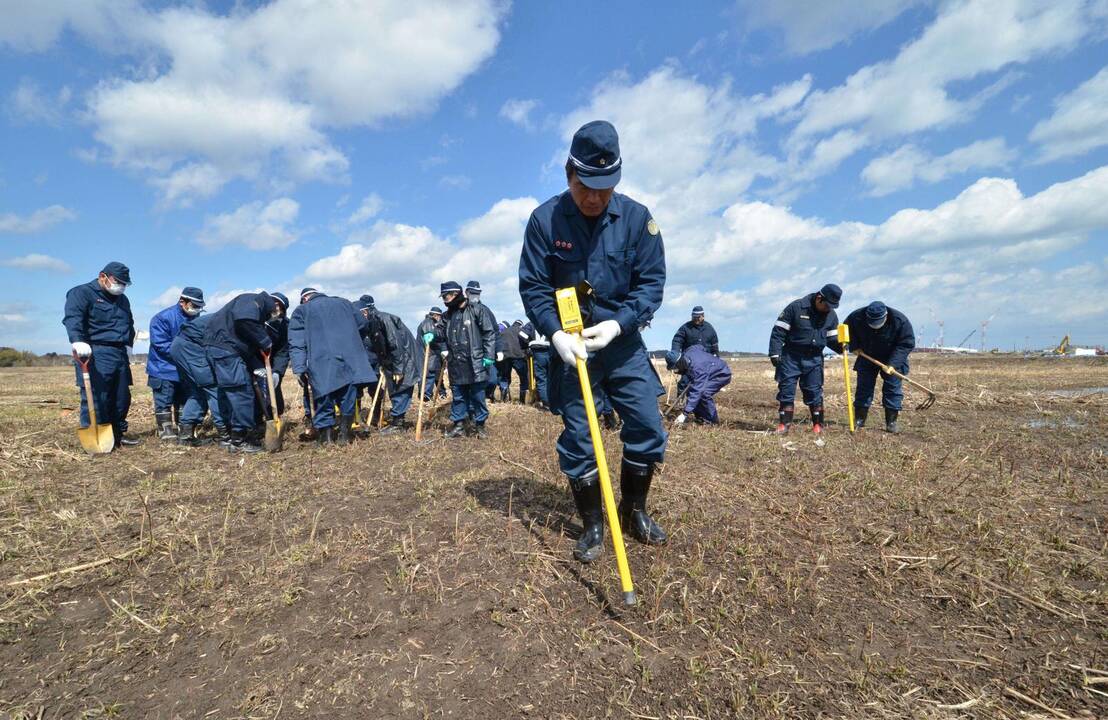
{"points": [[844, 338]]}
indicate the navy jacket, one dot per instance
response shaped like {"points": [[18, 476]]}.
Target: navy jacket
{"points": [[513, 349], [803, 330], [471, 335], [428, 325], [325, 342], [623, 259], [705, 373], [278, 330], [95, 316], [398, 354], [238, 328], [689, 334], [889, 343], [188, 351], [164, 327]]}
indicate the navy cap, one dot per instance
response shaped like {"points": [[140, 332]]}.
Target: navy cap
{"points": [[831, 294], [448, 287], [119, 271], [876, 312], [367, 300], [308, 291], [697, 311], [473, 287], [280, 297], [671, 359], [594, 155], [436, 310], [194, 295]]}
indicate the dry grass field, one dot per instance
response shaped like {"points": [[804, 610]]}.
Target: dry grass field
{"points": [[957, 570]]}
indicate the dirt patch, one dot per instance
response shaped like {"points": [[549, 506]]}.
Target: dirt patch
{"points": [[958, 565]]}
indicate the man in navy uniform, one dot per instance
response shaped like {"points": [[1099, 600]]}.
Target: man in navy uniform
{"points": [[430, 333], [235, 338], [101, 327], [803, 329], [326, 350], [886, 335], [162, 376], [697, 331], [707, 375], [471, 341], [400, 362], [190, 354], [609, 247]]}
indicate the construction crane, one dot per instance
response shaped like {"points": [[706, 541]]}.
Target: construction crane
{"points": [[985, 325], [1062, 346], [967, 337], [940, 323]]}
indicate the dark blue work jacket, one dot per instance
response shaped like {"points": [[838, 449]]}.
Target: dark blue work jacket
{"points": [[164, 328], [95, 316], [889, 343], [801, 329]]}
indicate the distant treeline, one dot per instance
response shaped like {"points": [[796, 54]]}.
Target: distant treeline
{"points": [[10, 357]]}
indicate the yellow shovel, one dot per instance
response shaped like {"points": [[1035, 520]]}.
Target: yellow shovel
{"points": [[273, 438], [570, 313], [95, 439], [532, 388]]}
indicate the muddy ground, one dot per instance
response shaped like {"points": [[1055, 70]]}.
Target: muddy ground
{"points": [[956, 570]]}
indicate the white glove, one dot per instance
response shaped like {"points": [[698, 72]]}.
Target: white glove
{"points": [[82, 349], [500, 357], [260, 372], [680, 419], [276, 379], [444, 353], [569, 347], [598, 336]]}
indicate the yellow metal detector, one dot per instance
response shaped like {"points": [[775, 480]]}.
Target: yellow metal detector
{"points": [[569, 310], [844, 340]]}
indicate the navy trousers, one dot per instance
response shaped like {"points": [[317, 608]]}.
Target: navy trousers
{"points": [[344, 397], [110, 376], [892, 388], [468, 401], [808, 370]]}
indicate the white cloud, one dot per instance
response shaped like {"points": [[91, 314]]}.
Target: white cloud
{"points": [[255, 225], [503, 224], [168, 297], [1079, 123], [386, 250], [519, 112], [370, 208], [37, 221], [252, 93], [28, 103], [456, 182], [809, 26], [908, 164], [35, 261]]}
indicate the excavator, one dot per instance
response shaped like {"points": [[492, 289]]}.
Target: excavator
{"points": [[1062, 346]]}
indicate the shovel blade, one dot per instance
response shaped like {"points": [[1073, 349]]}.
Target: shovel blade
{"points": [[272, 440], [97, 439]]}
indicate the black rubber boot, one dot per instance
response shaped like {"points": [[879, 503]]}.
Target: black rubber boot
{"points": [[456, 430], [586, 494], [860, 414], [164, 422], [186, 435], [634, 485], [240, 442], [890, 421], [396, 426], [224, 435], [817, 419], [480, 431], [784, 419], [309, 432], [345, 430], [325, 436]]}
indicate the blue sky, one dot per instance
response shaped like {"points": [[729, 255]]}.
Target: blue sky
{"points": [[949, 158]]}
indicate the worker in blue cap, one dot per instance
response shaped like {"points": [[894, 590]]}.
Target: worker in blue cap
{"points": [[162, 376], [430, 332], [101, 328], [697, 331], [471, 343], [886, 335], [189, 353], [278, 328], [803, 329], [707, 375], [610, 248]]}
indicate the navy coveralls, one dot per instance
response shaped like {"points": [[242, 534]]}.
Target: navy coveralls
{"points": [[236, 336], [891, 343], [195, 370], [690, 334], [707, 375], [104, 321], [799, 336], [161, 372], [623, 258]]}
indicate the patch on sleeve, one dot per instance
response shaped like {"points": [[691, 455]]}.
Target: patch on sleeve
{"points": [[651, 226]]}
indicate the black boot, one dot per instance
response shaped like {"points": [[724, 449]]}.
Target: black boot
{"points": [[345, 430], [186, 435], [784, 419], [634, 485], [817, 419], [240, 442], [309, 433], [224, 436], [457, 430], [164, 423], [860, 414], [396, 426], [586, 494], [480, 431], [325, 436], [890, 421]]}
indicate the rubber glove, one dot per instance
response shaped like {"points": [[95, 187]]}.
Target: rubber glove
{"points": [[680, 419], [598, 336], [569, 347], [500, 357], [488, 362], [82, 349], [428, 337]]}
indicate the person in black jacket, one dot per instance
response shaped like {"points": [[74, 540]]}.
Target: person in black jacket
{"points": [[697, 331], [886, 335], [803, 329], [471, 342], [430, 332], [401, 361]]}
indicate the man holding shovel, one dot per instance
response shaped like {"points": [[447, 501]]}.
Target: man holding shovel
{"points": [[803, 329], [886, 335], [430, 332], [167, 386], [608, 247], [101, 328]]}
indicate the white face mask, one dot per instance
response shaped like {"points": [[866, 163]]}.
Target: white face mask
{"points": [[116, 288], [192, 311]]}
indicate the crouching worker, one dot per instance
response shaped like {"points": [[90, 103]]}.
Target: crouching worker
{"points": [[326, 350], [886, 335], [706, 375]]}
